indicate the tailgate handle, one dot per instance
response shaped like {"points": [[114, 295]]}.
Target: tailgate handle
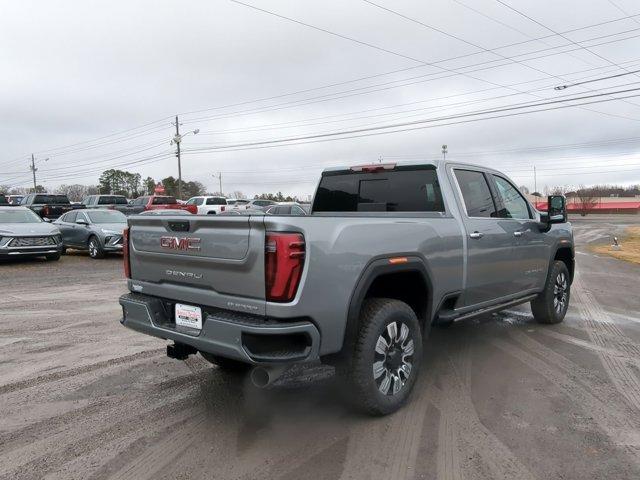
{"points": [[179, 226]]}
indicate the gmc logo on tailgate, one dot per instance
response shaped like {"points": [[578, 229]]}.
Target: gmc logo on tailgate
{"points": [[175, 243]]}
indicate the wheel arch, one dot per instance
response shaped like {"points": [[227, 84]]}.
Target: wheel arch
{"points": [[565, 254], [410, 281]]}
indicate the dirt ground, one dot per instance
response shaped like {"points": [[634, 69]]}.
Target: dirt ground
{"points": [[501, 397]]}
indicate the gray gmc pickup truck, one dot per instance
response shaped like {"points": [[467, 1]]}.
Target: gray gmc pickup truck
{"points": [[388, 251]]}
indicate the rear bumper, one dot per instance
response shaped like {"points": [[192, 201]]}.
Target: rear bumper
{"points": [[230, 334]]}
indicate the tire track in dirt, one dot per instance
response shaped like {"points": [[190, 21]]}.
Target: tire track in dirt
{"points": [[51, 377], [482, 446], [618, 428], [79, 446], [607, 334], [388, 447]]}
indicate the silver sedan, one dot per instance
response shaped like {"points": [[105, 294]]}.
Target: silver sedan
{"points": [[25, 234], [97, 231]]}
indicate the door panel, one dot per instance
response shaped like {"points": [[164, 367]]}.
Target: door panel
{"points": [[531, 252], [490, 252]]}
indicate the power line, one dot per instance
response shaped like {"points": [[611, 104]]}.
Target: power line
{"points": [[501, 2], [384, 86], [367, 44], [360, 132]]}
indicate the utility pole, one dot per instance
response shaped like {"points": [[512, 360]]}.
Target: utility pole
{"points": [[177, 139], [33, 169], [219, 177], [444, 152]]}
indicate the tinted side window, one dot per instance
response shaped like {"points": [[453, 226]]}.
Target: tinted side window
{"points": [[409, 190], [164, 201], [70, 217], [513, 205], [216, 201], [476, 194]]}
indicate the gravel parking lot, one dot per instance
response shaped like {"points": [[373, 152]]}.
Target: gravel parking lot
{"points": [[500, 397]]}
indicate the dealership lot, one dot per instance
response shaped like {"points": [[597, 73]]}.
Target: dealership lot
{"points": [[503, 397]]}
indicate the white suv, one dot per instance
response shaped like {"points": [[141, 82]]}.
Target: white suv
{"points": [[208, 205]]}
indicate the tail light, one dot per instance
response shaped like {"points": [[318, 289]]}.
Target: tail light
{"points": [[125, 253], [283, 262], [222, 208], [45, 211], [375, 167]]}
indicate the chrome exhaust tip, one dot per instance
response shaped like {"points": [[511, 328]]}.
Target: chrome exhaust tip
{"points": [[262, 377]]}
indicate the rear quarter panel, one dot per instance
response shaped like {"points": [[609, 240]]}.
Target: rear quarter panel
{"points": [[340, 248]]}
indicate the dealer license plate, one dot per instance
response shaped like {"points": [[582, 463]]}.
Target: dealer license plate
{"points": [[188, 316]]}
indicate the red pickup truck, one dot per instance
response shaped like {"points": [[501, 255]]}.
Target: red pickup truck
{"points": [[156, 202]]}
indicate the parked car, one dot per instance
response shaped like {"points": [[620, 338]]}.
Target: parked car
{"points": [[156, 202], [112, 202], [208, 205], [258, 204], [249, 211], [23, 233], [49, 205], [14, 199], [236, 203], [285, 208], [388, 250], [3, 199], [97, 231], [166, 212]]}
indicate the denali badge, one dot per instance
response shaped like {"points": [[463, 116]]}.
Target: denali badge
{"points": [[175, 243], [178, 273]]}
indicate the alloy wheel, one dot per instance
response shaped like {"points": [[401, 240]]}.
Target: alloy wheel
{"points": [[393, 358], [560, 293]]}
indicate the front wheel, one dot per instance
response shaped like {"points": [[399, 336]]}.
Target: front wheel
{"points": [[386, 357], [551, 305], [95, 248], [53, 257]]}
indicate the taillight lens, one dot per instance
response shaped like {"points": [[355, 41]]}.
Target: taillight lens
{"points": [[222, 208], [45, 211], [283, 262], [125, 253]]}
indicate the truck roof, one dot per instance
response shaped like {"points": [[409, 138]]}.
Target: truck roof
{"points": [[409, 163]]}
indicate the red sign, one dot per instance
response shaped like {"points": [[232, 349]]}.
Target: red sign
{"points": [[159, 190]]}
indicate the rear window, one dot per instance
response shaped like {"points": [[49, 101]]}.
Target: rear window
{"points": [[111, 200], [164, 201], [51, 199], [216, 201], [400, 190]]}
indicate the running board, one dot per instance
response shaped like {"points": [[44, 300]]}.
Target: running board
{"points": [[450, 316]]}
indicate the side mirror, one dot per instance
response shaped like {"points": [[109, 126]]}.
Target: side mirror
{"points": [[82, 221], [556, 209]]}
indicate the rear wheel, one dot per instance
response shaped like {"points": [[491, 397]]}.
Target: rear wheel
{"points": [[386, 357], [226, 364], [551, 305], [95, 248]]}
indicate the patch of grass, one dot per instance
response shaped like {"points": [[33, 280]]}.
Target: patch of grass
{"points": [[630, 243]]}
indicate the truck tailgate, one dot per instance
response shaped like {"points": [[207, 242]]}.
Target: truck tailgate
{"points": [[208, 260]]}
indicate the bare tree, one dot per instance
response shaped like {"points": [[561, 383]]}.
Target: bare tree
{"points": [[587, 199], [524, 189], [238, 194]]}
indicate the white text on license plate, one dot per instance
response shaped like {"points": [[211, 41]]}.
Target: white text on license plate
{"points": [[188, 316]]}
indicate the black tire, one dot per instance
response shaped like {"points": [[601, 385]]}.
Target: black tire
{"points": [[551, 305], [396, 368], [53, 257], [226, 364], [95, 247], [63, 251]]}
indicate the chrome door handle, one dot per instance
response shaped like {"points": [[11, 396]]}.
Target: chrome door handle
{"points": [[518, 233], [476, 235]]}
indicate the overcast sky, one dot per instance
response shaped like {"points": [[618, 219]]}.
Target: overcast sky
{"points": [[94, 85]]}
